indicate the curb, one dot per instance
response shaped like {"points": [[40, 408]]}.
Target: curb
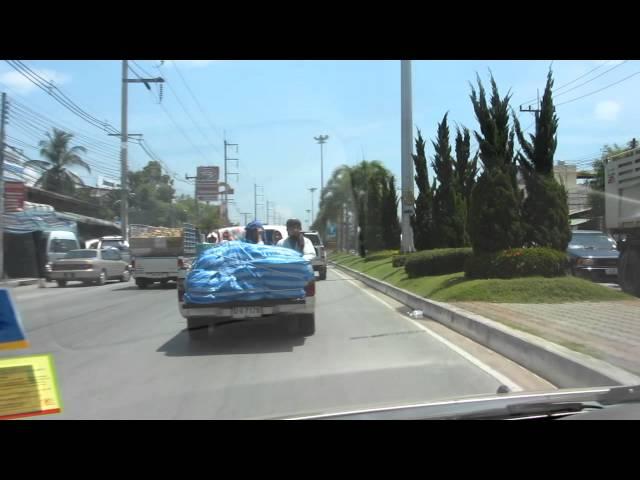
{"points": [[562, 367], [18, 283]]}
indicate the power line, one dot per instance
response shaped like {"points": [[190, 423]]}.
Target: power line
{"points": [[48, 87], [599, 90], [569, 83], [202, 111], [206, 138], [590, 80]]}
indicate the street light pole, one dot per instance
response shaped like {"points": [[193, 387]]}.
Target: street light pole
{"points": [[406, 157], [124, 199], [312, 189], [321, 139]]}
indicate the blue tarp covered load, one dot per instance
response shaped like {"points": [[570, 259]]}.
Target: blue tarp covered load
{"points": [[238, 271], [33, 220]]}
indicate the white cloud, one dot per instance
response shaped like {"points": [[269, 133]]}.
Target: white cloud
{"points": [[23, 85], [607, 110]]}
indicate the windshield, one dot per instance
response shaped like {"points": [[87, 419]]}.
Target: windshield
{"points": [[592, 241], [460, 217], [81, 254], [61, 245]]}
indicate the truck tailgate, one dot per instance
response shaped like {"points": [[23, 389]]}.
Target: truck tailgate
{"points": [[155, 266]]}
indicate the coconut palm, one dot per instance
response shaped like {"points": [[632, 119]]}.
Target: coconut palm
{"points": [[58, 157]]}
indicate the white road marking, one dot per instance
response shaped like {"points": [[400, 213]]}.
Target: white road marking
{"points": [[513, 386]]}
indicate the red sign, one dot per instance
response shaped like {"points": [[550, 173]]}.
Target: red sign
{"points": [[14, 196]]}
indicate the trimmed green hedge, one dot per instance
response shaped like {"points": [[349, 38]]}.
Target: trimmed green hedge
{"points": [[517, 262], [440, 261], [398, 260]]}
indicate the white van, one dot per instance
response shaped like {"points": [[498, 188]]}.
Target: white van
{"points": [[58, 244]]}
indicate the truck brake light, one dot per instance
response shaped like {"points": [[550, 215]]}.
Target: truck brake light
{"points": [[310, 289]]}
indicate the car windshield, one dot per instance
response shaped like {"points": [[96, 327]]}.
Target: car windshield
{"points": [[62, 245], [81, 254], [592, 241], [460, 216], [314, 238]]}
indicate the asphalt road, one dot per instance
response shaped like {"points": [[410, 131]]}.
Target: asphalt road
{"points": [[122, 353]]}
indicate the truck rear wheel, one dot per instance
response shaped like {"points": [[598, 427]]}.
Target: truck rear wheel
{"points": [[142, 283], [307, 324], [323, 273], [196, 328], [629, 272]]}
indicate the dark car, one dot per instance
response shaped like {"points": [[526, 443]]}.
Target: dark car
{"points": [[593, 255]]}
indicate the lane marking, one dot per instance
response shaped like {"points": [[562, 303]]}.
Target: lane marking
{"points": [[513, 386]]}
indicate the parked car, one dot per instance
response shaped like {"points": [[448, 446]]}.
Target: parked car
{"points": [[90, 266], [593, 255], [319, 263]]}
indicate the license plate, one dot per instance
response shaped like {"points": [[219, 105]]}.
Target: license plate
{"points": [[611, 271], [246, 312], [68, 275]]}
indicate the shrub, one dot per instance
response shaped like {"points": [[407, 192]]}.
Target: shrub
{"points": [[398, 260], [436, 262], [517, 262]]}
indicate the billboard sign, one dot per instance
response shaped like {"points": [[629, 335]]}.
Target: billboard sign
{"points": [[207, 184]]}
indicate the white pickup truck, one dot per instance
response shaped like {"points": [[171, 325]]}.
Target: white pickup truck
{"points": [[158, 253]]}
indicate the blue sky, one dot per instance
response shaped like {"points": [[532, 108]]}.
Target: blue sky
{"points": [[273, 109]]}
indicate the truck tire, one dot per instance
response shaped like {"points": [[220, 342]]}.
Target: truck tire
{"points": [[323, 273], [142, 283], [61, 283], [197, 329], [307, 324], [629, 272]]}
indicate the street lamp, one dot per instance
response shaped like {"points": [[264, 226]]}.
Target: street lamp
{"points": [[312, 189], [321, 139], [308, 218]]}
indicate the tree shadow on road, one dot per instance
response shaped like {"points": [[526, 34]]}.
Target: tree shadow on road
{"points": [[233, 339]]}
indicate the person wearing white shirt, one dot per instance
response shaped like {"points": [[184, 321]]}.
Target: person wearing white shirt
{"points": [[297, 241]]}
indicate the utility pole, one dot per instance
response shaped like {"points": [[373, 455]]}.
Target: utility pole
{"points": [[406, 151], [321, 139], [245, 216], [227, 173], [255, 199], [312, 189], [124, 138], [308, 218], [195, 198], [3, 121]]}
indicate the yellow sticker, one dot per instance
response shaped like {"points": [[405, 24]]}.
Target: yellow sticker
{"points": [[28, 387]]}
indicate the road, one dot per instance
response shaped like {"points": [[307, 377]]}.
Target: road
{"points": [[122, 353]]}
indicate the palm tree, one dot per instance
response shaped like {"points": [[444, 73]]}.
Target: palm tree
{"points": [[58, 158]]}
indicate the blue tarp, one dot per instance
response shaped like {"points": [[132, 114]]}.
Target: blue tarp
{"points": [[238, 271], [32, 221]]}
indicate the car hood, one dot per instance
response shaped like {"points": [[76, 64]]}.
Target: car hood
{"points": [[585, 252]]}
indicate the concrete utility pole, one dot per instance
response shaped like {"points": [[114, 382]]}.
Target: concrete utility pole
{"points": [[321, 139], [407, 200], [124, 138], [312, 189], [3, 121]]}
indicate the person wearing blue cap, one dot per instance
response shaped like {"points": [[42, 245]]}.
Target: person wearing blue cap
{"points": [[254, 232]]}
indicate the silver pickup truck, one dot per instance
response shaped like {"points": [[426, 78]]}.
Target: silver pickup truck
{"points": [[299, 313], [319, 263]]}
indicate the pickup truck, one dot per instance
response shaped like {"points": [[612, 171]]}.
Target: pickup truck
{"points": [[298, 312], [319, 263], [158, 252]]}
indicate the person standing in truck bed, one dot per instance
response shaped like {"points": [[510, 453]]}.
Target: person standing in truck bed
{"points": [[297, 241]]}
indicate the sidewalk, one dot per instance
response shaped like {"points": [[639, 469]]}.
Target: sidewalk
{"points": [[17, 282], [609, 331]]}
